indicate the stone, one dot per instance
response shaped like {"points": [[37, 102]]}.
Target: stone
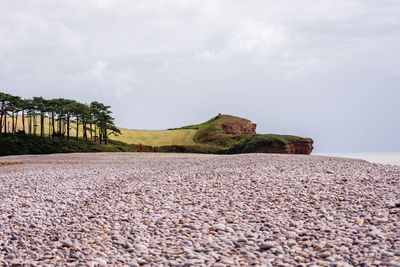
{"points": [[133, 264], [393, 263], [73, 256], [329, 171], [219, 227], [100, 261], [268, 245], [324, 254], [33, 255], [16, 263], [66, 244]]}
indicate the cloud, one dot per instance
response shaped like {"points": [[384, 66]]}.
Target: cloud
{"points": [[250, 38], [97, 72], [303, 61]]}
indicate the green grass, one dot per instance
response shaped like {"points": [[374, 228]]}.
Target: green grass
{"points": [[210, 132]]}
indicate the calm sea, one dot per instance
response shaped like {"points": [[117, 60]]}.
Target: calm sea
{"points": [[392, 158]]}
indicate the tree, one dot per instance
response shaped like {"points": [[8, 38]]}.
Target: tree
{"points": [[31, 113], [104, 121], [40, 105], [51, 110], [24, 104], [69, 109], [76, 110], [14, 106], [4, 103], [61, 113]]}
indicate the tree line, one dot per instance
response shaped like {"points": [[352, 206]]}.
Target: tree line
{"points": [[94, 119]]}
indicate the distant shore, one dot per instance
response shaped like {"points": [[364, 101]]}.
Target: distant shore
{"points": [[388, 158]]}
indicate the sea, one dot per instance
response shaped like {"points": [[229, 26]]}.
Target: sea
{"points": [[392, 158]]}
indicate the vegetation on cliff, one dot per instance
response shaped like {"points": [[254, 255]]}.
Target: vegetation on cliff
{"points": [[221, 131], [271, 143]]}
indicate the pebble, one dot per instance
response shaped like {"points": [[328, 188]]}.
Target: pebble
{"points": [[219, 227], [73, 256], [100, 261], [32, 254], [133, 264], [268, 245], [329, 171], [324, 254], [66, 244], [135, 209], [393, 263]]}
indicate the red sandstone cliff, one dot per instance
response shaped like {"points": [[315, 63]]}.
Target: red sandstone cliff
{"points": [[245, 128], [299, 148]]}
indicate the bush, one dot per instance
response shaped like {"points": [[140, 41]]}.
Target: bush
{"points": [[20, 144]]}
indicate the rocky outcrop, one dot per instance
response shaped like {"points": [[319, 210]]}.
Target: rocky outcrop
{"points": [[247, 128], [299, 148], [292, 148], [272, 143], [234, 135]]}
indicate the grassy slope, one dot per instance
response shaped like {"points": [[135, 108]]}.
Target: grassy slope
{"points": [[157, 137], [181, 137], [209, 132]]}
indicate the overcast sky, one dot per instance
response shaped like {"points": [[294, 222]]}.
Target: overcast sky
{"points": [[326, 69]]}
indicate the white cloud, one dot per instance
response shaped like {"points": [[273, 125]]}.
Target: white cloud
{"points": [[165, 50], [106, 3], [250, 39], [97, 71], [125, 83]]}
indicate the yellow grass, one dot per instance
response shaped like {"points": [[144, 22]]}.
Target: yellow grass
{"points": [[147, 137], [156, 137], [46, 126]]}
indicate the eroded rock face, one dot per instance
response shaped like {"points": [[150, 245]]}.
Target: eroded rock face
{"points": [[245, 129], [299, 148], [292, 148]]}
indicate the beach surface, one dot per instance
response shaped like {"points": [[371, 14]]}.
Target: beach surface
{"points": [[138, 209]]}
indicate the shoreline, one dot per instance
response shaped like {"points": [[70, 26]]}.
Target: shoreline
{"points": [[386, 158], [377, 157]]}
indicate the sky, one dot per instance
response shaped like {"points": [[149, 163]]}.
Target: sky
{"points": [[325, 69]]}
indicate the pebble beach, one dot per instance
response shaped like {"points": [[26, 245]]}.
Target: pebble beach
{"points": [[147, 209]]}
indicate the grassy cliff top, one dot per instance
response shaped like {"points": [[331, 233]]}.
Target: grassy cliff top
{"points": [[211, 131], [217, 120], [208, 132]]}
